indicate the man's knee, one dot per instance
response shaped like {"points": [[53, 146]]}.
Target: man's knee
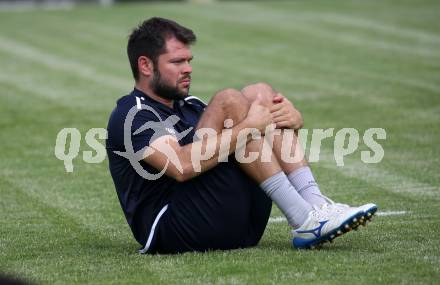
{"points": [[262, 86], [230, 98], [263, 89]]}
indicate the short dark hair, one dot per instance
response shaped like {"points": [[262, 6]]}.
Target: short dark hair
{"points": [[148, 39]]}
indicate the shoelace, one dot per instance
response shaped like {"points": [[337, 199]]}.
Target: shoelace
{"points": [[323, 211], [326, 209], [331, 202]]}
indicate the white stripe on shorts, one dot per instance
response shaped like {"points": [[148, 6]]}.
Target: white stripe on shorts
{"points": [[153, 228]]}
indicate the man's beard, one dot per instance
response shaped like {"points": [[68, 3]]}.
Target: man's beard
{"points": [[165, 90]]}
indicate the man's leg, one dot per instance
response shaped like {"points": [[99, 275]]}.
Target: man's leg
{"points": [[313, 225], [230, 104], [299, 172]]}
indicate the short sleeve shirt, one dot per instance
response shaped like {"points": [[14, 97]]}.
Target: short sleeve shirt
{"points": [[136, 121]]}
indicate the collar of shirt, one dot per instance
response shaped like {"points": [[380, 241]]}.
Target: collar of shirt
{"points": [[177, 104]]}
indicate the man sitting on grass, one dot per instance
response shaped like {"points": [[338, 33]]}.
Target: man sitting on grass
{"points": [[217, 201]]}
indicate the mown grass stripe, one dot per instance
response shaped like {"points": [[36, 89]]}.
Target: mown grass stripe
{"points": [[16, 48], [378, 26], [376, 175], [269, 17]]}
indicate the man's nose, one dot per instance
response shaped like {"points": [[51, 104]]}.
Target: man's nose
{"points": [[187, 68]]}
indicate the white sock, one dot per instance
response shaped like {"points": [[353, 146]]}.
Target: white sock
{"points": [[293, 206], [304, 182]]}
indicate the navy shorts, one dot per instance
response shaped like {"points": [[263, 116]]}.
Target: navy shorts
{"points": [[220, 209]]}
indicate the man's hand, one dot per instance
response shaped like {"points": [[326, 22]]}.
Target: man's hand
{"points": [[284, 114], [259, 116]]}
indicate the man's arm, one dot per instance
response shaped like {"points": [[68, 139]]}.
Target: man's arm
{"points": [[165, 152]]}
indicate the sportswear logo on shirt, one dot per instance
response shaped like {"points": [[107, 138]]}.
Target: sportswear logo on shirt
{"points": [[160, 128], [171, 131]]}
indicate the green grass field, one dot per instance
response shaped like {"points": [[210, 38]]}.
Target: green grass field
{"points": [[357, 64]]}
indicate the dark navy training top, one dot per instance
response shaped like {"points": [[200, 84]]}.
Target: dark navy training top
{"points": [[144, 120]]}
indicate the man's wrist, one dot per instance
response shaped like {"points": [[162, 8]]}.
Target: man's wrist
{"points": [[244, 124]]}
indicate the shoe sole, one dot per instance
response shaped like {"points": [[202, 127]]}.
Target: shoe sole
{"points": [[368, 215], [350, 223]]}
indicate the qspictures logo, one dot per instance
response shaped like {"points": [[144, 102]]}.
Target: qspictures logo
{"points": [[346, 142]]}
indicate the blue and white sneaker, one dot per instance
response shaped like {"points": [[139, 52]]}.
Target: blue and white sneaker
{"points": [[368, 210], [324, 224]]}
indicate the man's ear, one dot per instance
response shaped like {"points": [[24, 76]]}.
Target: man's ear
{"points": [[145, 66]]}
